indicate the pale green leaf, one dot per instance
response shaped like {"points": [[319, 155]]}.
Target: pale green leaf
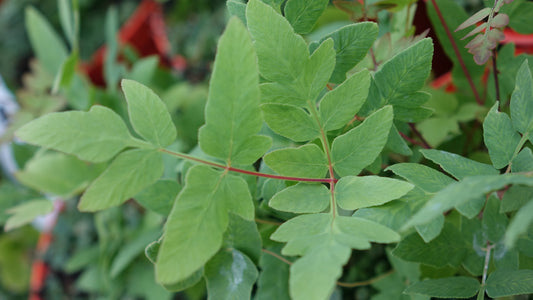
{"points": [[306, 161], [160, 196], [230, 275], [95, 136], [233, 116], [523, 162], [351, 44], [48, 46], [317, 71], [458, 166], [128, 174], [494, 222], [425, 178], [352, 192], [301, 232], [475, 18], [303, 14], [237, 8], [359, 147], [472, 207], [449, 287], [350, 228], [405, 73], [508, 283], [302, 198], [397, 144], [198, 220], [458, 193], [515, 197], [132, 250], [144, 70], [244, 236], [313, 277], [58, 174], [291, 122], [340, 105], [519, 224], [148, 114], [500, 137], [521, 101], [187, 282], [26, 212], [282, 53]]}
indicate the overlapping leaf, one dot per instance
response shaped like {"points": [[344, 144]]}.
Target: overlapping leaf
{"points": [[458, 166], [233, 117], [303, 14], [306, 161], [325, 242]]}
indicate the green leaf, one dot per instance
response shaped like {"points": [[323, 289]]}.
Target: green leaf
{"points": [[302, 198], [519, 224], [521, 13], [508, 283], [148, 114], [273, 282], [198, 220], [291, 122], [340, 105], [521, 104], [423, 177], [472, 207], [493, 223], [431, 230], [405, 73], [500, 137], [128, 174], [238, 9], [230, 275], [306, 161], [243, 235], [159, 197], [95, 136], [317, 71], [303, 14], [448, 248], [354, 192], [48, 46], [458, 166], [233, 116], [515, 197], [523, 162], [351, 44], [460, 192], [58, 174], [131, 250], [359, 147], [25, 213], [450, 287], [282, 53]]}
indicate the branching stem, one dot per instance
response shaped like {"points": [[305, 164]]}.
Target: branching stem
{"points": [[237, 170]]}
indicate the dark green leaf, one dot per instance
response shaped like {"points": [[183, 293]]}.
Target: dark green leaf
{"points": [[425, 178], [519, 224], [160, 196], [508, 283], [450, 287], [500, 137], [521, 104], [458, 166]]}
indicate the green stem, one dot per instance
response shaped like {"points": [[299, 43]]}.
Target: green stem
{"points": [[523, 140], [237, 170], [458, 54]]}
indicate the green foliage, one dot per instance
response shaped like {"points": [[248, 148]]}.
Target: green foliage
{"points": [[278, 186]]}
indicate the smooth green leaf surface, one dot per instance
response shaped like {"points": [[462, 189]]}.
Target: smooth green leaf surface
{"points": [[446, 249], [148, 114], [523, 162], [128, 174], [519, 224], [160, 196], [405, 73], [450, 287], [291, 122], [198, 220], [244, 236], [306, 161], [25, 213], [273, 282], [458, 166], [48, 46], [423, 177], [500, 137], [230, 275], [508, 283], [493, 223], [303, 14], [359, 147], [302, 198], [458, 193], [95, 136], [340, 105], [521, 104], [351, 44], [282, 53], [233, 117], [58, 174], [353, 192]]}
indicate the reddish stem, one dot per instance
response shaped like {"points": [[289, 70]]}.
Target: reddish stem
{"points": [[425, 144], [458, 54]]}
